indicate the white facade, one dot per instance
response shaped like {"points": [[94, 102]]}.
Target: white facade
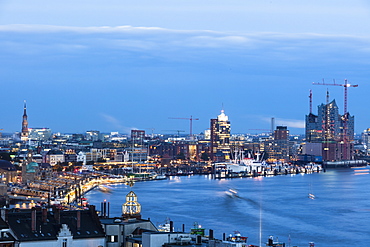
{"points": [[64, 239], [81, 157], [118, 230], [158, 239]]}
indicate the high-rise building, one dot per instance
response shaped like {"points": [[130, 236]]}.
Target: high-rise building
{"points": [[334, 131], [365, 137], [138, 151], [137, 137], [24, 132], [220, 138], [278, 148], [281, 133]]}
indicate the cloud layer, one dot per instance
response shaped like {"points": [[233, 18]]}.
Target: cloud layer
{"points": [[133, 74]]}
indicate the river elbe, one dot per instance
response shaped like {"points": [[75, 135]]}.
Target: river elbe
{"points": [[278, 206]]}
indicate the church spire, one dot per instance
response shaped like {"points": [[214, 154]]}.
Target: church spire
{"points": [[24, 134]]}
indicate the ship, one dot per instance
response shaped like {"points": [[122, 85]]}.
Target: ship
{"points": [[240, 164]]}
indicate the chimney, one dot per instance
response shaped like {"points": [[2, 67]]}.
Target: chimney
{"points": [[171, 226], [78, 219], [102, 214], [56, 214], [210, 234], [44, 215], [33, 219]]}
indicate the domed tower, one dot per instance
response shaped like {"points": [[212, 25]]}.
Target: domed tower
{"points": [[131, 208], [30, 169]]}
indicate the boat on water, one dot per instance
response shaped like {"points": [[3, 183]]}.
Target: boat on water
{"points": [[241, 164], [160, 177], [105, 188], [232, 193], [165, 227], [311, 196], [197, 229]]}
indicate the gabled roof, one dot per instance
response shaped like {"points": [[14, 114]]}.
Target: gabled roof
{"points": [[55, 152], [7, 165], [4, 235], [49, 226]]}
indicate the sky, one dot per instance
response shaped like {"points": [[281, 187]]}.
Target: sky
{"points": [[121, 65]]}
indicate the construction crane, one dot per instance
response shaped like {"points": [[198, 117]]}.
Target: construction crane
{"points": [[310, 96], [346, 85], [191, 124]]}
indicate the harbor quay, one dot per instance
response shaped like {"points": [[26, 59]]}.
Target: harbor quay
{"points": [[68, 188]]}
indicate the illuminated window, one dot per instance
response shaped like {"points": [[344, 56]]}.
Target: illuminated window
{"points": [[112, 238]]}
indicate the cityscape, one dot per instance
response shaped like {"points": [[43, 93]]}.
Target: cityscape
{"points": [[42, 169], [184, 123]]}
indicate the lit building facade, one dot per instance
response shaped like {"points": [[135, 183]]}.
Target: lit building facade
{"points": [[38, 134], [334, 131], [365, 137], [93, 135], [278, 148], [220, 138]]}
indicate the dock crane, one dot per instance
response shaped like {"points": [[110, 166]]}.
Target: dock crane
{"points": [[346, 85], [191, 124]]}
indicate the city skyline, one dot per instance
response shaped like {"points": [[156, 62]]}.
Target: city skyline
{"points": [[88, 65]]}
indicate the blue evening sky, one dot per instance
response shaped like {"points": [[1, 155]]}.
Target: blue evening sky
{"points": [[117, 65]]}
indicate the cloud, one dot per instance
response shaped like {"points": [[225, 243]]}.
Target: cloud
{"points": [[186, 38], [292, 123], [143, 44], [115, 123]]}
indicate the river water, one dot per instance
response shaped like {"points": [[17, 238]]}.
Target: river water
{"points": [[278, 205]]}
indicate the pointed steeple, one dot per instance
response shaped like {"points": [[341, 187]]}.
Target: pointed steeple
{"points": [[24, 134]]}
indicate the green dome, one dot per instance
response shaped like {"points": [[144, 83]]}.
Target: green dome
{"points": [[31, 167]]}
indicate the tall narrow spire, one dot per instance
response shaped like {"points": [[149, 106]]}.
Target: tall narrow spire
{"points": [[24, 133]]}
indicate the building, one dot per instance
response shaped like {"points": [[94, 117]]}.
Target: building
{"points": [[278, 148], [8, 172], [127, 229], [365, 139], [39, 134], [334, 131], [137, 137], [24, 131], [56, 228], [93, 135], [54, 157], [220, 138]]}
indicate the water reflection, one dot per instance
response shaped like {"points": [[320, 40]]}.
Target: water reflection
{"points": [[265, 206]]}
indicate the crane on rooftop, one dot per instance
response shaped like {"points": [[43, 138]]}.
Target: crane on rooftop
{"points": [[345, 85], [191, 124]]}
